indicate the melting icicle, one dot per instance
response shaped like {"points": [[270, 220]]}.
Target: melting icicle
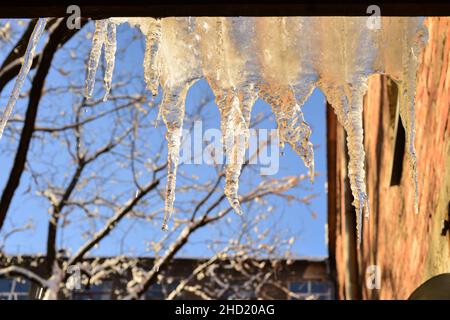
{"points": [[98, 40], [172, 110], [110, 56], [280, 59], [353, 57], [236, 115], [291, 125], [400, 43], [181, 70], [412, 43], [151, 68], [231, 74], [355, 144], [233, 126], [24, 70], [152, 30]]}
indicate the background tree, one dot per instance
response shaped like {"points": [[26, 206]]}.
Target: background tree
{"points": [[99, 170]]}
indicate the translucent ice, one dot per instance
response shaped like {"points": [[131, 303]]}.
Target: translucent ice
{"points": [[98, 40], [110, 55], [230, 66], [287, 80], [281, 60], [151, 68], [180, 68], [23, 73]]}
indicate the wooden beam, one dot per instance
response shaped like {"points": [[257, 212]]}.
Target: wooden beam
{"points": [[97, 9], [332, 180]]}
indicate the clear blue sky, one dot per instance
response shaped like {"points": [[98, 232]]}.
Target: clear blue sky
{"points": [[309, 230]]}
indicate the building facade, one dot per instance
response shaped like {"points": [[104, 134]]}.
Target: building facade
{"points": [[400, 249], [296, 279]]}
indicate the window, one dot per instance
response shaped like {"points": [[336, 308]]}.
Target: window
{"points": [[155, 293], [312, 290], [14, 289], [319, 287], [101, 291], [299, 287], [399, 150]]}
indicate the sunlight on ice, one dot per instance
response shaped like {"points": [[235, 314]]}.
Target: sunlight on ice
{"points": [[281, 60], [151, 69], [98, 40], [180, 68], [110, 56], [23, 73]]}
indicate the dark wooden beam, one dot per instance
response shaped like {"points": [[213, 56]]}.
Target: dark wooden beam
{"points": [[163, 8], [333, 199]]}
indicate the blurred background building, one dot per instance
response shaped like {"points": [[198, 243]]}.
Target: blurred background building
{"points": [[296, 279]]}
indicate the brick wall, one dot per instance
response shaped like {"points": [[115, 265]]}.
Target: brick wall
{"points": [[407, 248]]}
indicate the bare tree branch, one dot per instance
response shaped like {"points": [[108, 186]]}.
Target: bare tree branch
{"points": [[19, 271], [58, 36]]}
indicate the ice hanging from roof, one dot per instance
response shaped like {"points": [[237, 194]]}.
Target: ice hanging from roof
{"points": [[23, 73], [151, 68], [110, 54], [104, 36], [229, 65], [401, 42], [179, 65], [98, 40], [287, 80], [281, 60]]}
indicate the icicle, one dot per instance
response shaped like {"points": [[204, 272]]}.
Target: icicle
{"points": [[181, 70], [242, 72], [235, 123], [232, 75], [412, 44], [286, 88], [23, 73], [172, 110], [110, 56], [248, 96], [281, 59], [407, 116], [303, 85], [234, 137], [291, 125], [98, 40], [348, 106], [400, 43], [352, 59], [355, 145], [151, 68]]}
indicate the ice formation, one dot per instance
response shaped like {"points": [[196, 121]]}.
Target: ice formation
{"points": [[104, 36], [23, 73], [98, 40], [152, 31], [110, 54], [281, 60], [232, 75]]}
